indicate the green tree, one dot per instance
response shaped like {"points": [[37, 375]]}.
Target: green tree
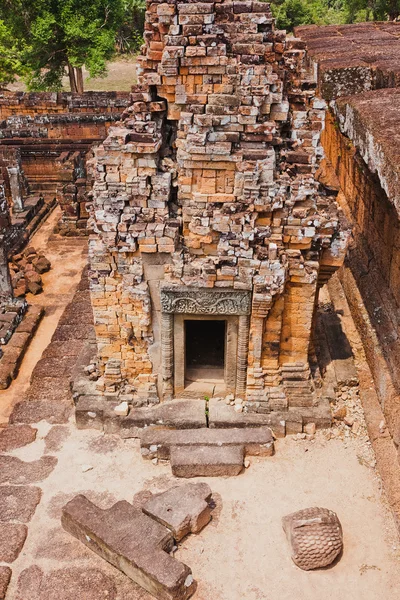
{"points": [[59, 37], [10, 64], [291, 13], [130, 33], [375, 10]]}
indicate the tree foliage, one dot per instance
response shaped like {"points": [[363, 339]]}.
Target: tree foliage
{"points": [[291, 13], [55, 37], [10, 63], [130, 32]]}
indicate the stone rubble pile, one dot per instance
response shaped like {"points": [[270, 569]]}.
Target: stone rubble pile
{"points": [[26, 269]]}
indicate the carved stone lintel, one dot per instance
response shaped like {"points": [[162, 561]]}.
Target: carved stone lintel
{"points": [[207, 302]]}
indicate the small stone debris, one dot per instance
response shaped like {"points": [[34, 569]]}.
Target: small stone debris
{"points": [[310, 428], [352, 426], [86, 468], [122, 409], [340, 413], [26, 269], [315, 535]]}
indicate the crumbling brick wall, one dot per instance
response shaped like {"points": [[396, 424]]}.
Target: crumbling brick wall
{"points": [[53, 133], [208, 183]]}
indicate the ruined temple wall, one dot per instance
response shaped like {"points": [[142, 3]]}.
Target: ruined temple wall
{"points": [[35, 103], [206, 187], [358, 73], [370, 276], [53, 132]]}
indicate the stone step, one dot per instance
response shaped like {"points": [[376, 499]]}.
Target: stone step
{"points": [[175, 414], [158, 443], [206, 461]]}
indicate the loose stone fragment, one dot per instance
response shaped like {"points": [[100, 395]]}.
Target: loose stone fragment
{"points": [[315, 535], [183, 509]]}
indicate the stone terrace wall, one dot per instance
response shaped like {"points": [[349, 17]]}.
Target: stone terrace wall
{"points": [[53, 132], [362, 145], [208, 183], [351, 59]]}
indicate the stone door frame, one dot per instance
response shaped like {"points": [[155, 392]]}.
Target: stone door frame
{"points": [[179, 304]]}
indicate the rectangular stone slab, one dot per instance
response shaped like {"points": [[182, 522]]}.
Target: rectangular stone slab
{"points": [[134, 543], [176, 414], [206, 461], [157, 443]]}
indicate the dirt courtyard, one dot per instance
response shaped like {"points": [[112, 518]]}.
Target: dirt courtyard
{"points": [[243, 553]]}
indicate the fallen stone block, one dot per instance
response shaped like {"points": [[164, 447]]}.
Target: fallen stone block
{"points": [[134, 543], [207, 461], [315, 535], [183, 509]]}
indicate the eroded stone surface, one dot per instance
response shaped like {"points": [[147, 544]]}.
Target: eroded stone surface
{"points": [[207, 461], [18, 503], [12, 539], [183, 509], [133, 542], [55, 438], [315, 535], [5, 576], [88, 584], [180, 414], [16, 437], [14, 470], [35, 411], [29, 583]]}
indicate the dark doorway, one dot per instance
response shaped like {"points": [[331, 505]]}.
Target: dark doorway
{"points": [[205, 344]]}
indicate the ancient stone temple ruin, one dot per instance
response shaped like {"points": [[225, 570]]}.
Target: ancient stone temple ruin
{"points": [[212, 235]]}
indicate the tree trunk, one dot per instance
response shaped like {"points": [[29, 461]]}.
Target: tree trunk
{"points": [[79, 80], [72, 81]]}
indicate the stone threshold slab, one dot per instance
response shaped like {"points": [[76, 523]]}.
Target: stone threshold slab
{"points": [[158, 443]]}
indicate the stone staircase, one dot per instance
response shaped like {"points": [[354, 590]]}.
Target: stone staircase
{"points": [[206, 452]]}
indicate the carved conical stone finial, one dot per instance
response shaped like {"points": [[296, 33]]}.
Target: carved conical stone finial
{"points": [[315, 535]]}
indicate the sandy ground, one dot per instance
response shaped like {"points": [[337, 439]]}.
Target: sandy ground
{"points": [[68, 257], [243, 553]]}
